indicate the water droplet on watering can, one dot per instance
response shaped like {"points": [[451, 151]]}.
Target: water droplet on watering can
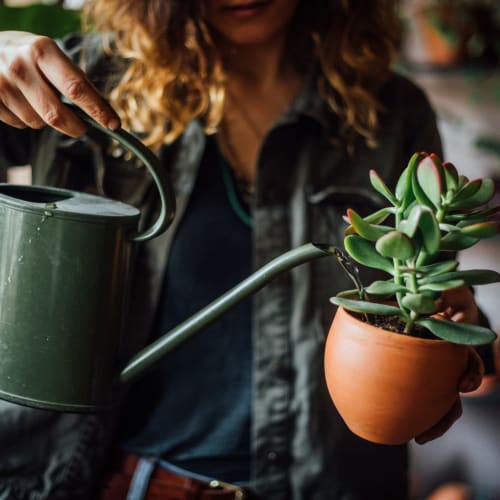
{"points": [[21, 258]]}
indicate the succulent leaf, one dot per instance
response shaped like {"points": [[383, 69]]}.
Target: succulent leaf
{"points": [[470, 277], [438, 268], [370, 232], [429, 229], [395, 245], [451, 176], [366, 307], [467, 191], [458, 333], [388, 287], [462, 181], [480, 197], [379, 216], [442, 285], [481, 230], [353, 292], [430, 178], [364, 252], [454, 241], [380, 186], [419, 193], [418, 302], [403, 187], [410, 225]]}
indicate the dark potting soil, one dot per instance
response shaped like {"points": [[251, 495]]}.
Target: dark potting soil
{"points": [[393, 324]]}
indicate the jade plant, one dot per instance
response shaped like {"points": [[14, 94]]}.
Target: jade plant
{"points": [[432, 214]]}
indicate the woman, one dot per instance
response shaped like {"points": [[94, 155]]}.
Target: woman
{"points": [[268, 114]]}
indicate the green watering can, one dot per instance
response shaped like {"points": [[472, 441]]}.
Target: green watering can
{"points": [[64, 265]]}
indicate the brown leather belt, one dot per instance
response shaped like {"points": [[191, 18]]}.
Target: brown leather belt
{"points": [[166, 485]]}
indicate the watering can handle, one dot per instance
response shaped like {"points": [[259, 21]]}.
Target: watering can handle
{"points": [[152, 163]]}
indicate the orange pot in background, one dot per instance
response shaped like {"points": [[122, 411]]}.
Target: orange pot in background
{"points": [[389, 387]]}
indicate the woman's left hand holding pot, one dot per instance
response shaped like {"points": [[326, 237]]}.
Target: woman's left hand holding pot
{"points": [[458, 305]]}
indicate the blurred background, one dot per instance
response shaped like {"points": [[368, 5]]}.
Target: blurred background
{"points": [[452, 49]]}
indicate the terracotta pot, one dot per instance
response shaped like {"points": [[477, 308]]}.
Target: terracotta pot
{"points": [[389, 387]]}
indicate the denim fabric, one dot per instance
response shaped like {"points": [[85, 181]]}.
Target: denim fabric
{"points": [[301, 449]]}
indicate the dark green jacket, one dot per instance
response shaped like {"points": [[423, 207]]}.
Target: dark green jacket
{"points": [[301, 449]]}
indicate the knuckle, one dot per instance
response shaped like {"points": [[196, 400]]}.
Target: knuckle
{"points": [[53, 117], [40, 47], [98, 113], [17, 69], [4, 87], [75, 90]]}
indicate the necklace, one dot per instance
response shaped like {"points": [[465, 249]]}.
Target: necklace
{"points": [[244, 184]]}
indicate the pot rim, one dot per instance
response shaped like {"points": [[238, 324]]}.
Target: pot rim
{"points": [[390, 334]]}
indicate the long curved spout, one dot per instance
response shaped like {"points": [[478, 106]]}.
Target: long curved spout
{"points": [[150, 355]]}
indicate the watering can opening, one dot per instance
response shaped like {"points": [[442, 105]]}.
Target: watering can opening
{"points": [[35, 194]]}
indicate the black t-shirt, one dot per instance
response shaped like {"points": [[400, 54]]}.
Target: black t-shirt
{"points": [[194, 408]]}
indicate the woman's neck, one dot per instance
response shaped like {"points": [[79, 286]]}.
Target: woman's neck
{"points": [[260, 67]]}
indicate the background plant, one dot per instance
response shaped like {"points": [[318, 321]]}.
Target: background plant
{"points": [[434, 212]]}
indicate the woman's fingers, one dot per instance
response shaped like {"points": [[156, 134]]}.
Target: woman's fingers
{"points": [[10, 118], [71, 82], [470, 380], [443, 425], [15, 102], [33, 69], [474, 372]]}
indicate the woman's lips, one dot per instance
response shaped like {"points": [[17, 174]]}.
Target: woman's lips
{"points": [[247, 9]]}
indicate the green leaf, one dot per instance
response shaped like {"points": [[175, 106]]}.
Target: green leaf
{"points": [[442, 285], [404, 191], [480, 215], [379, 216], [385, 288], [367, 307], [380, 186], [430, 177], [482, 195], [429, 229], [353, 292], [453, 242], [419, 303], [366, 230], [462, 181], [420, 196], [395, 245], [470, 277], [451, 176], [364, 252], [458, 333], [481, 230], [438, 268], [409, 226], [467, 190]]}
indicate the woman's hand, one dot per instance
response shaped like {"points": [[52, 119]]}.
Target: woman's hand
{"points": [[458, 305], [32, 69], [470, 381]]}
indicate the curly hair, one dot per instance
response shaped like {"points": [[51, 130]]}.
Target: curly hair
{"points": [[175, 74]]}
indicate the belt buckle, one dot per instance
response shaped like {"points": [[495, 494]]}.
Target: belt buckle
{"points": [[239, 492]]}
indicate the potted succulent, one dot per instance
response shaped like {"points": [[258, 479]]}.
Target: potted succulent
{"points": [[392, 364]]}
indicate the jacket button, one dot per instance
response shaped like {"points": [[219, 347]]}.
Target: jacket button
{"points": [[272, 456]]}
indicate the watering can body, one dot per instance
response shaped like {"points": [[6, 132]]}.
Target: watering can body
{"points": [[64, 265]]}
